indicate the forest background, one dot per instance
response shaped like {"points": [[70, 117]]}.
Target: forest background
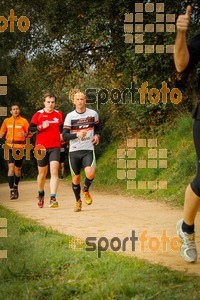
{"points": [[80, 45]]}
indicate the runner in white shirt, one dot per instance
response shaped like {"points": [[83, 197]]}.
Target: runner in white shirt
{"points": [[81, 128]]}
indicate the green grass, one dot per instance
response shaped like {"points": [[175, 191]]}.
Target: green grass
{"points": [[41, 265], [181, 168]]}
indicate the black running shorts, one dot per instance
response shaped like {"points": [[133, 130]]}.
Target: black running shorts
{"points": [[81, 159], [16, 157], [52, 154]]}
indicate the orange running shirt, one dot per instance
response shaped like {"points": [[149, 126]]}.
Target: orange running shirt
{"points": [[13, 129]]}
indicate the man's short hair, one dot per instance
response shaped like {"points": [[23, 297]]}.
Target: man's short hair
{"points": [[79, 93], [14, 104], [50, 95]]}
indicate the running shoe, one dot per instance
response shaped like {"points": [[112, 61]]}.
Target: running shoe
{"points": [[78, 206], [16, 193], [53, 203], [87, 197], [40, 201], [12, 195], [188, 248]]}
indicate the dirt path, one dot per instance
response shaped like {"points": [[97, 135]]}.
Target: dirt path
{"points": [[109, 216]]}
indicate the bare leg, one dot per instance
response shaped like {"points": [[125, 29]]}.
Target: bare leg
{"points": [[89, 172], [11, 169], [54, 181], [191, 206], [18, 171], [62, 169], [42, 172]]}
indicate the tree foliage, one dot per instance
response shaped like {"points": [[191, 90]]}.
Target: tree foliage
{"points": [[81, 44]]}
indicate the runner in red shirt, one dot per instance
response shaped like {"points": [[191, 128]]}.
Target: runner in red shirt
{"points": [[47, 124]]}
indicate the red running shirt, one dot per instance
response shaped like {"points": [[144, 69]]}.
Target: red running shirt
{"points": [[48, 137]]}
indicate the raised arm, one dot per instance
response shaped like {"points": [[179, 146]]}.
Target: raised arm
{"points": [[181, 54]]}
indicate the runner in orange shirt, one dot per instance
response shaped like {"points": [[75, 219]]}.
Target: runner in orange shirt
{"points": [[15, 131]]}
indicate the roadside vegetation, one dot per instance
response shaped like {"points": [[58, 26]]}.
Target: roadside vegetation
{"points": [[176, 138], [42, 265]]}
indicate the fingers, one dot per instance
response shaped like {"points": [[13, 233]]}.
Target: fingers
{"points": [[184, 20], [45, 124], [61, 138], [95, 140], [188, 11], [22, 134], [81, 134]]}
